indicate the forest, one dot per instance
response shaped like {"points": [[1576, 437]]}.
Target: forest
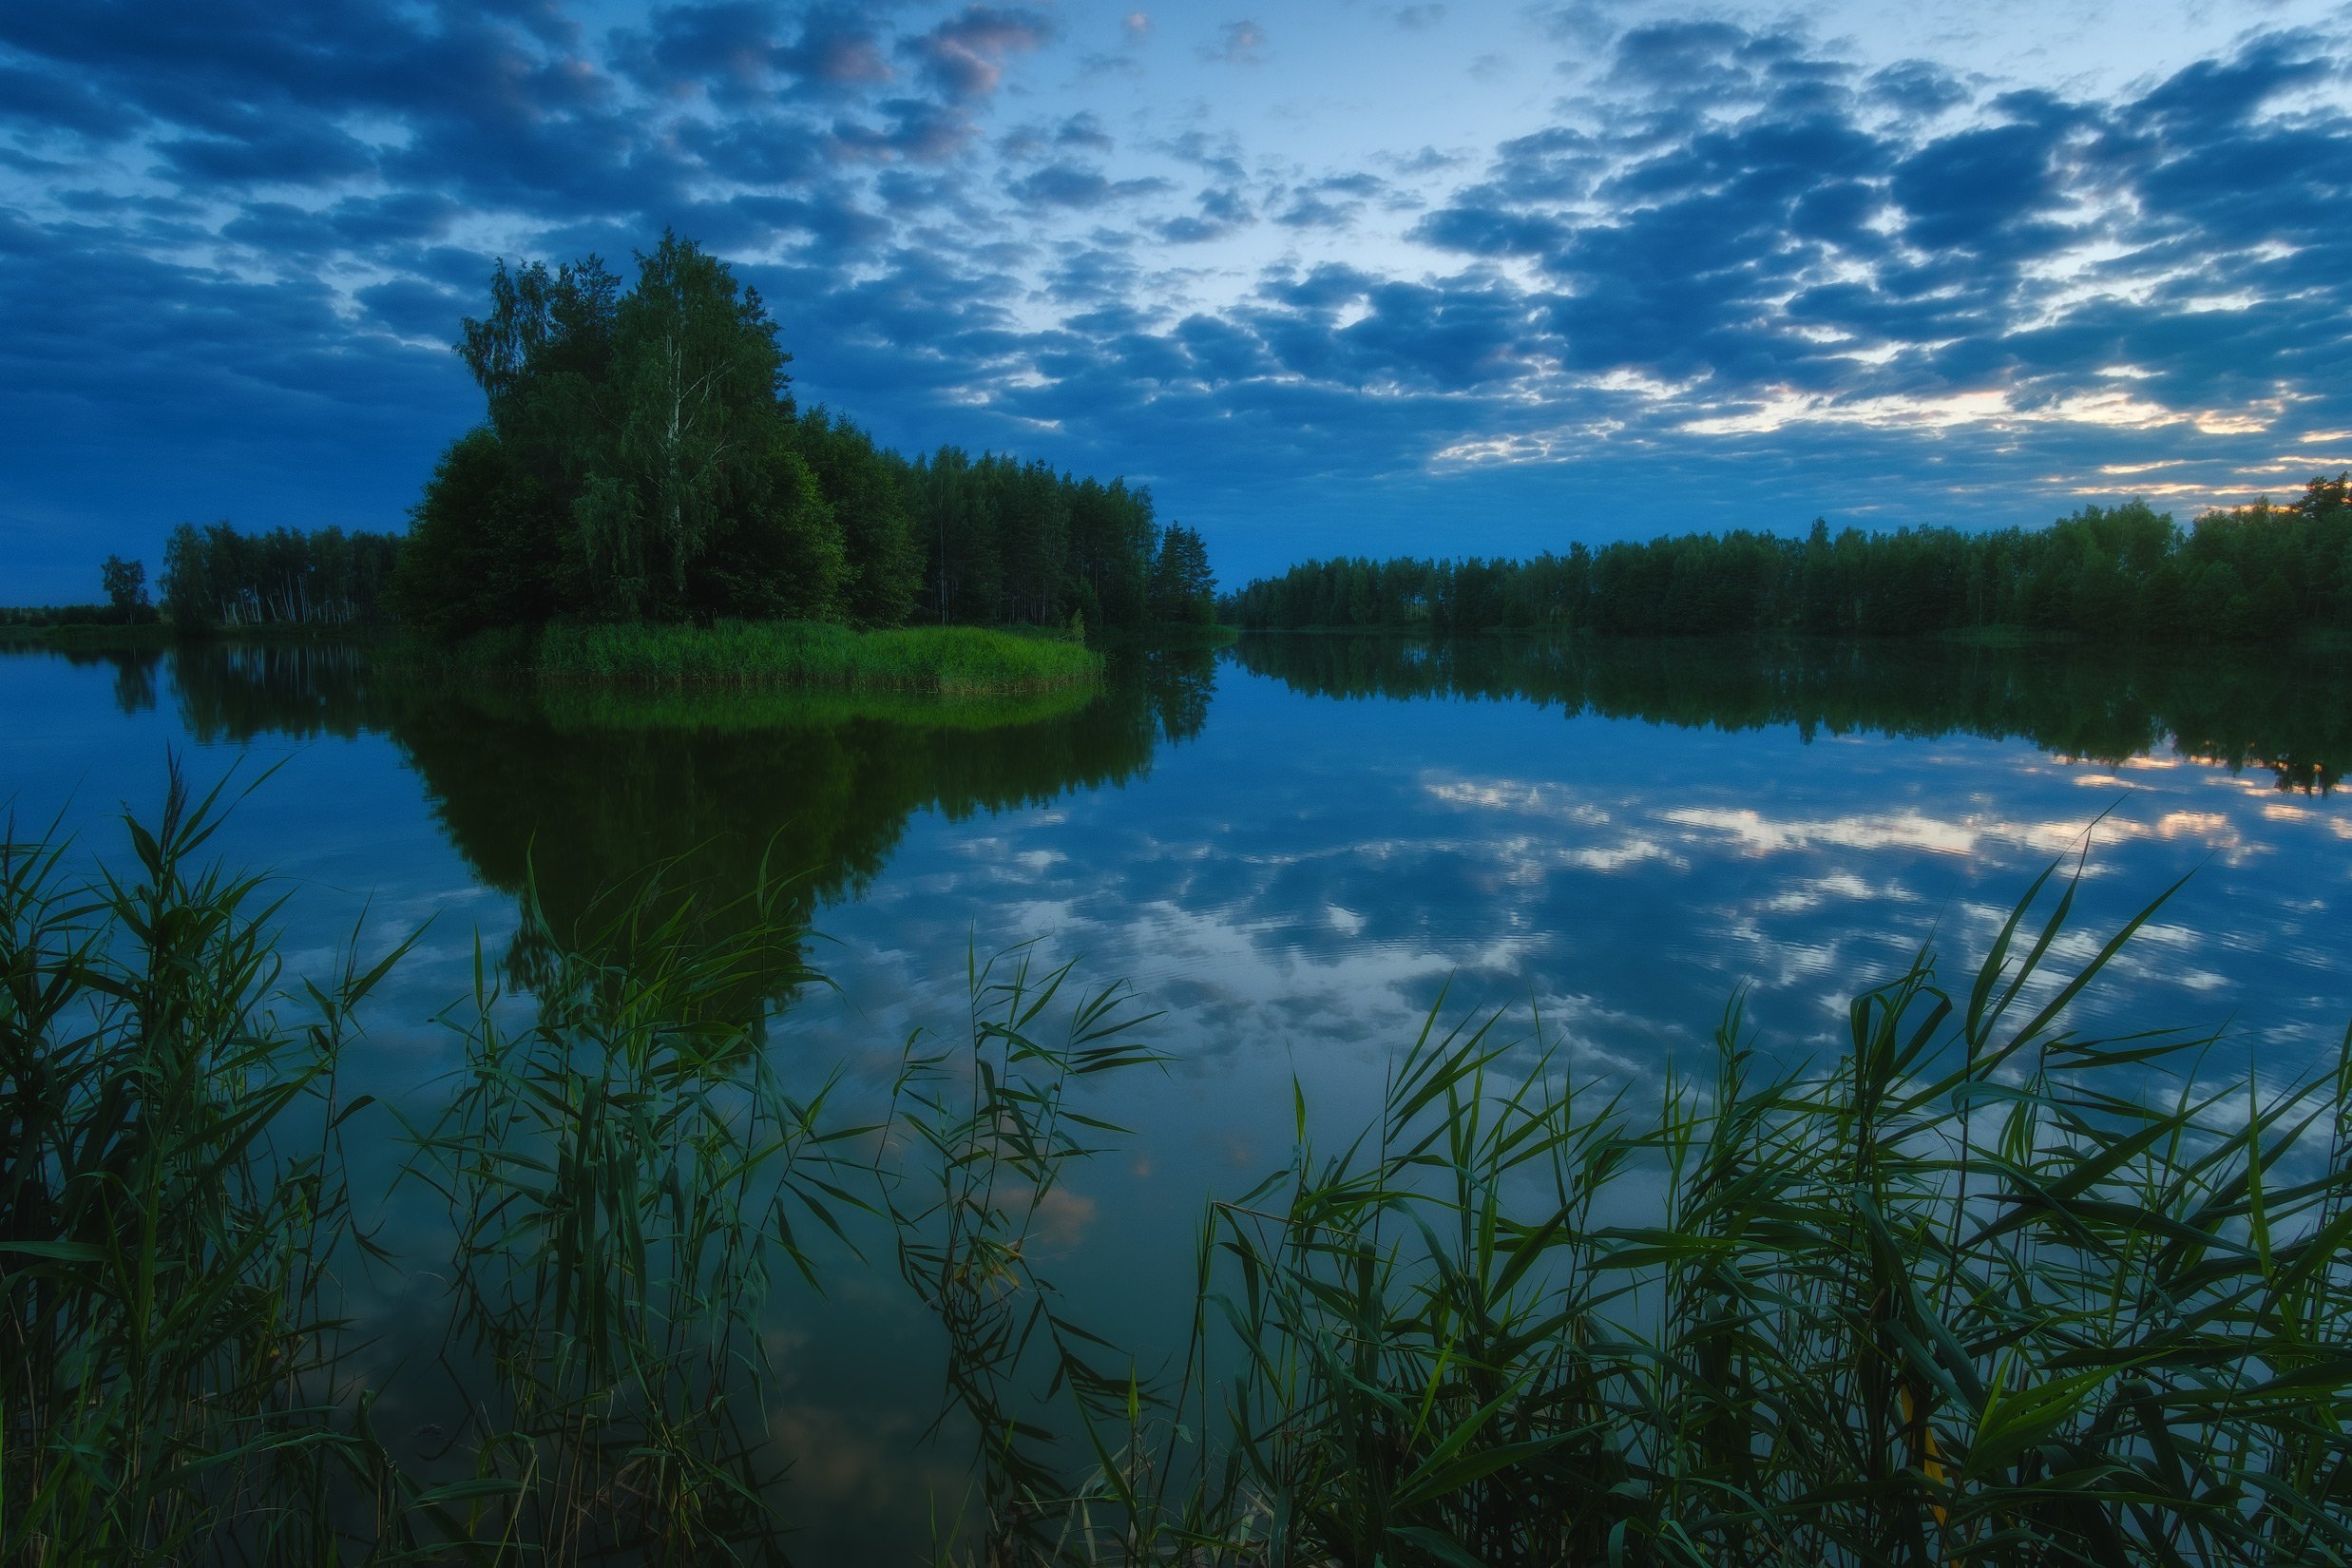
{"points": [[2253, 574], [216, 577], [643, 460]]}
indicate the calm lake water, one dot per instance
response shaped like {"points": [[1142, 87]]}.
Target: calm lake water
{"points": [[1291, 848]]}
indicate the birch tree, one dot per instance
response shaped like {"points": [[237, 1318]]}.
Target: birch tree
{"points": [[696, 385]]}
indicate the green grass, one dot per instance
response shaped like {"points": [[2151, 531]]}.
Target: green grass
{"points": [[170, 1212], [580, 705], [945, 661], [104, 637], [2008, 636], [79, 636]]}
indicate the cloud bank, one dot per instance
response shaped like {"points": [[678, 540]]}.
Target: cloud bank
{"points": [[1720, 273]]}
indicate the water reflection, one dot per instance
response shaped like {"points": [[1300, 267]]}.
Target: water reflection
{"points": [[134, 673], [2290, 713], [1293, 847], [720, 803], [1314, 871], [303, 691]]}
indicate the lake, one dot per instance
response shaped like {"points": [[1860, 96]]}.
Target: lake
{"points": [[1291, 850]]}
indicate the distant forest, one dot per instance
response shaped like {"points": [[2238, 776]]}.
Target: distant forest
{"points": [[642, 459], [216, 577], [2259, 573]]}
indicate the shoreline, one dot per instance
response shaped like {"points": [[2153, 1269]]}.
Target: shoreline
{"points": [[941, 661]]}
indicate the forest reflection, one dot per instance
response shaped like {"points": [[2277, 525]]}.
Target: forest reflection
{"points": [[727, 808], [2290, 713], [724, 798]]}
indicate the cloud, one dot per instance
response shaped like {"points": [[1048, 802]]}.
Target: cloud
{"points": [[1310, 210], [963, 57], [1221, 210], [1075, 186], [50, 101], [1982, 190], [1736, 268], [288, 155], [913, 128], [836, 51], [1919, 89], [417, 309], [1237, 43]]}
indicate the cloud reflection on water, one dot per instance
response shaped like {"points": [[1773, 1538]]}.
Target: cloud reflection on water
{"points": [[1296, 884]]}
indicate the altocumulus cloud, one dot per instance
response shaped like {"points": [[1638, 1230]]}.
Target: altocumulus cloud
{"points": [[1721, 273]]}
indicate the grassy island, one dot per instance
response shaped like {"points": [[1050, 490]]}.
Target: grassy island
{"points": [[941, 660]]}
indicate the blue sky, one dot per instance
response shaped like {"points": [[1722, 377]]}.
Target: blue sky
{"points": [[1329, 277]]}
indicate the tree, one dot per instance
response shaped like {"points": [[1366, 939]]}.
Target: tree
{"points": [[691, 397], [484, 543], [781, 556], [126, 585], [866, 486], [642, 458], [1183, 590]]}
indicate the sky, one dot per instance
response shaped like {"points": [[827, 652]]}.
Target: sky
{"points": [[1329, 277]]}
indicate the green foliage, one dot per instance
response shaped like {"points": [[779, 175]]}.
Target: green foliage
{"points": [[485, 545], [864, 485], [638, 461], [993, 1119], [1011, 542], [1183, 590], [622, 1172], [621, 1175], [216, 577], [643, 461], [691, 397], [1979, 1290], [948, 660], [166, 1247], [125, 586], [2260, 574], [1974, 1287]]}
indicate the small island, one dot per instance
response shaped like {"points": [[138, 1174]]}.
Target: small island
{"points": [[645, 504]]}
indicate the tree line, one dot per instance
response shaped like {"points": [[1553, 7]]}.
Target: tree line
{"points": [[643, 459], [124, 583], [216, 577], [2252, 574]]}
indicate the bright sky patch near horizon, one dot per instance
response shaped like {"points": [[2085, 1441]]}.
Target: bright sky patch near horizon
{"points": [[1331, 278]]}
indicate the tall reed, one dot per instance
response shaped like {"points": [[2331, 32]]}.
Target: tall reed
{"points": [[1979, 1291], [622, 1176], [991, 1127], [172, 1199], [1978, 1288]]}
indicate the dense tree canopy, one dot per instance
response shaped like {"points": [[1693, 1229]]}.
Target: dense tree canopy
{"points": [[643, 458], [218, 577], [2259, 573]]}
